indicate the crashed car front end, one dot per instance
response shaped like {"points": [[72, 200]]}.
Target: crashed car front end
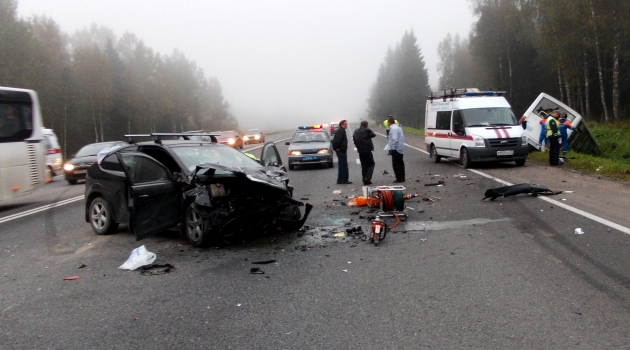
{"points": [[227, 201]]}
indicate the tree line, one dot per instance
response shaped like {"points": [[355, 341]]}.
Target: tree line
{"points": [[575, 50], [401, 86], [95, 87]]}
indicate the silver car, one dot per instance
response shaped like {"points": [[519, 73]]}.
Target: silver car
{"points": [[310, 146]]}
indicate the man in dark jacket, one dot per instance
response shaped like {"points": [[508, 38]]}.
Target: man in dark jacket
{"points": [[362, 138], [340, 145]]}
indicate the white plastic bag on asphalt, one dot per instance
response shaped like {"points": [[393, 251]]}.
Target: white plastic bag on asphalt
{"points": [[138, 257]]}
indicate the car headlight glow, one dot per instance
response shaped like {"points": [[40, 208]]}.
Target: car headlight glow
{"points": [[231, 141], [479, 142], [295, 153], [68, 167], [246, 138], [324, 151], [257, 137]]}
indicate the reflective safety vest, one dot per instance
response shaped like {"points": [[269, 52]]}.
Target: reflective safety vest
{"points": [[553, 127], [251, 156]]}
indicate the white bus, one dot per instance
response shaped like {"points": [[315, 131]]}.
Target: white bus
{"points": [[22, 165]]}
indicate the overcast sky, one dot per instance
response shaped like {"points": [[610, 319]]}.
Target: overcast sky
{"points": [[278, 61]]}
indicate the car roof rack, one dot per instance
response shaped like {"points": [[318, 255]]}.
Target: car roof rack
{"points": [[466, 92], [157, 136]]}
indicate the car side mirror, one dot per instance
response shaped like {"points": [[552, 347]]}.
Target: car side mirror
{"points": [[287, 143], [459, 130]]}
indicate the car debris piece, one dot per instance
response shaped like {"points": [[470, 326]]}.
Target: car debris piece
{"points": [[440, 182], [264, 262], [513, 190], [156, 269], [340, 235], [256, 271], [578, 231], [72, 278]]}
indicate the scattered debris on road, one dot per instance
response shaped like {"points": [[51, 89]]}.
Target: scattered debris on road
{"points": [[156, 269], [72, 278], [138, 257], [264, 262]]}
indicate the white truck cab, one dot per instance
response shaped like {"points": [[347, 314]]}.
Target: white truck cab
{"points": [[474, 126]]}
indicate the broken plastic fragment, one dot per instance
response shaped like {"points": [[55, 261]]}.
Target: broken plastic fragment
{"points": [[340, 234], [578, 231], [337, 192], [264, 262], [72, 278]]}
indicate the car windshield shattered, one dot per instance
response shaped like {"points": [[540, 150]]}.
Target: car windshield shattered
{"points": [[192, 156], [488, 116]]}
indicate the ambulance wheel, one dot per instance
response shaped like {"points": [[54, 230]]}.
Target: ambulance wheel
{"points": [[435, 157], [464, 159], [520, 162]]}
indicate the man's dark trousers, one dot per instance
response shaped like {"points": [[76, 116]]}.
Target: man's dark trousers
{"points": [[554, 150], [342, 164], [367, 166], [398, 165]]}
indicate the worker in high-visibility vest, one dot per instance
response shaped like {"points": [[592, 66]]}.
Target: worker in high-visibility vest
{"points": [[553, 137]]}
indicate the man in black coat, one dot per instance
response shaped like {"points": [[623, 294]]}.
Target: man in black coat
{"points": [[362, 138], [340, 145]]}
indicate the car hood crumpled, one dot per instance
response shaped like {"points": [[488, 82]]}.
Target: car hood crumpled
{"points": [[271, 176]]}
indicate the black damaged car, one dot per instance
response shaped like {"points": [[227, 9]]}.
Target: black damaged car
{"points": [[211, 191]]}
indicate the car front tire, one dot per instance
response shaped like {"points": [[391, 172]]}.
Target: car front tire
{"points": [[195, 229], [101, 217], [465, 159], [435, 157]]}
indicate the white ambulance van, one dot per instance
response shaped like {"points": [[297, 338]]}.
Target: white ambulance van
{"points": [[474, 126]]}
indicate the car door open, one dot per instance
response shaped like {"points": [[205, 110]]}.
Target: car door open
{"points": [[269, 156], [155, 199]]}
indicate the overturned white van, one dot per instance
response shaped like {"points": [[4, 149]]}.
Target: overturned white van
{"points": [[579, 138], [474, 126]]}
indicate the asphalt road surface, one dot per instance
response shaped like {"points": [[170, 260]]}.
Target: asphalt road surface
{"points": [[459, 273]]}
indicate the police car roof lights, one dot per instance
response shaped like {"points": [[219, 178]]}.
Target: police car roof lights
{"points": [[309, 127]]}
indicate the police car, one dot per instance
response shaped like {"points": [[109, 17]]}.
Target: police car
{"points": [[310, 145]]}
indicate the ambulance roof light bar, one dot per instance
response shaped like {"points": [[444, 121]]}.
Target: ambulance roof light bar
{"points": [[467, 92]]}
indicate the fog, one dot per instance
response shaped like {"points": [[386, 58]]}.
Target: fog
{"points": [[280, 63]]}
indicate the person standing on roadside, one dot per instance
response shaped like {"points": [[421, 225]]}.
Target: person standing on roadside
{"points": [[340, 145], [565, 126], [362, 138], [396, 144], [553, 136], [386, 125]]}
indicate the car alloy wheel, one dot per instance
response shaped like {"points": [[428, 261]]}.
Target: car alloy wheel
{"points": [[101, 218], [195, 228]]}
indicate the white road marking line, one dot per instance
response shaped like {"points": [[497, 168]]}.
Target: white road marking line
{"points": [[40, 209], [546, 199]]}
